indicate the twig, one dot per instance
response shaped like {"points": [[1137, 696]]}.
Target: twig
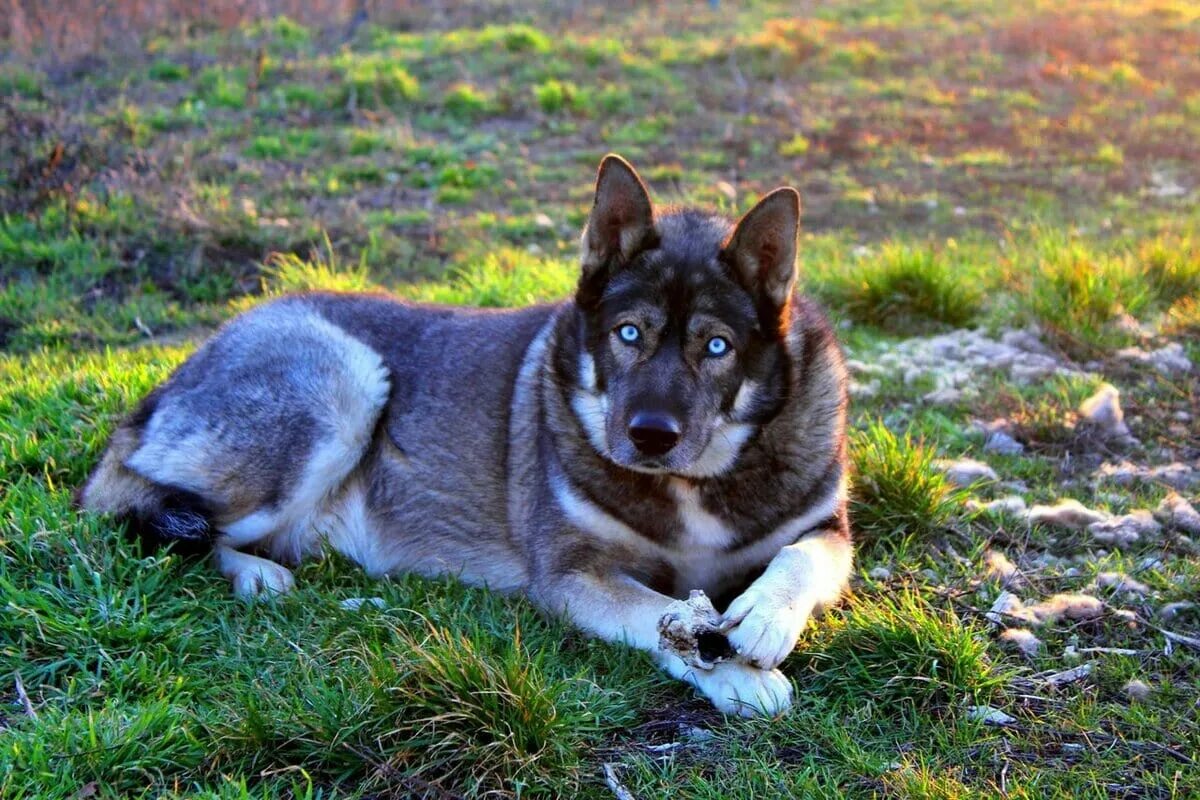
{"points": [[1190, 641], [1070, 675], [410, 782], [614, 784], [28, 706], [143, 327]]}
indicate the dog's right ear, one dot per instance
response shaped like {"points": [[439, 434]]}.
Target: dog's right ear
{"points": [[622, 220]]}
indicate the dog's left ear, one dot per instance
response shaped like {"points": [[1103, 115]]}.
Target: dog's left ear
{"points": [[762, 248], [622, 220]]}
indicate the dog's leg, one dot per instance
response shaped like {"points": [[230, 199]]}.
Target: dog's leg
{"points": [[620, 609], [767, 619], [251, 575]]}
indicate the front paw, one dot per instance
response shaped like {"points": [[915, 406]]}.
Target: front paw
{"points": [[761, 630], [738, 689]]}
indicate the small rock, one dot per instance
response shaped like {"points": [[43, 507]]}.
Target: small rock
{"points": [[1000, 442], [1177, 475], [1008, 604], [1129, 616], [1070, 675], [1172, 610], [1102, 411], [1169, 359], [1070, 514], [1071, 606], [1122, 474], [989, 716], [1121, 583], [946, 396], [1125, 530], [1012, 505], [1137, 691], [542, 220], [355, 603], [864, 390], [1178, 513], [727, 189], [1025, 372], [1024, 339], [1000, 568], [1127, 323], [965, 471], [880, 574], [863, 368], [1023, 640]]}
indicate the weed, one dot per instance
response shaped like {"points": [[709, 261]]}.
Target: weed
{"points": [[284, 273], [903, 289], [898, 497], [373, 81], [1076, 293], [902, 653], [168, 71], [1171, 267], [465, 102], [554, 96]]}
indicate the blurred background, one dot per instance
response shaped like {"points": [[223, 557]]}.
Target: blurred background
{"points": [[1025, 170], [155, 155]]}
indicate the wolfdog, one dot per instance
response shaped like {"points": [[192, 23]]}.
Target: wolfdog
{"points": [[677, 425]]}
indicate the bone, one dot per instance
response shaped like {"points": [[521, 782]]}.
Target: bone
{"points": [[691, 629]]}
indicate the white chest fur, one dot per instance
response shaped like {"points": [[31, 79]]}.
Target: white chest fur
{"points": [[700, 557]]}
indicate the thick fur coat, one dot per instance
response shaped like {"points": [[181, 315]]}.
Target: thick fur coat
{"points": [[676, 425]]}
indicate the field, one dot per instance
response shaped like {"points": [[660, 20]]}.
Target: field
{"points": [[1000, 214]]}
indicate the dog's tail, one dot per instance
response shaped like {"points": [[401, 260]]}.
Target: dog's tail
{"points": [[155, 513]]}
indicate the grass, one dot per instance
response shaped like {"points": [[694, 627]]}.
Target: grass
{"points": [[898, 497], [905, 289], [960, 165]]}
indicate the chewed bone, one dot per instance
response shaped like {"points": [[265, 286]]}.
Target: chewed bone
{"points": [[692, 630]]}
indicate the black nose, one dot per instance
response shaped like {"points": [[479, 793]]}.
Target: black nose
{"points": [[654, 433]]}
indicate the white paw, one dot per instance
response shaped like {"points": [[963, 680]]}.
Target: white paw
{"points": [[762, 630], [738, 689], [262, 578]]}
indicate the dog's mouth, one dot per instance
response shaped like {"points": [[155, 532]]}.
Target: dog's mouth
{"points": [[650, 467]]}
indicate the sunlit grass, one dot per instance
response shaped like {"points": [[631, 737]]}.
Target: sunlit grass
{"points": [[903, 289], [897, 496]]}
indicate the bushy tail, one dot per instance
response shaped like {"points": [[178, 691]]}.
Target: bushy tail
{"points": [[180, 516], [157, 514]]}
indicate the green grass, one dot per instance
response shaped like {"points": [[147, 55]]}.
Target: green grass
{"points": [[905, 289], [898, 497], [961, 164], [903, 655]]}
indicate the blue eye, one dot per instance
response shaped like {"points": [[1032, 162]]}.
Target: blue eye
{"points": [[718, 346], [629, 333]]}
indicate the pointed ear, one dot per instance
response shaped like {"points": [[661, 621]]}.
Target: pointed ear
{"points": [[622, 220], [762, 249]]}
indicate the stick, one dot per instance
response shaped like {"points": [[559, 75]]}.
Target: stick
{"points": [[615, 786], [28, 706]]}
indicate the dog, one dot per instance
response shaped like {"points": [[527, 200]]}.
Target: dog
{"points": [[677, 425]]}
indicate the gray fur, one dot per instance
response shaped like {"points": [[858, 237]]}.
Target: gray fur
{"points": [[495, 445]]}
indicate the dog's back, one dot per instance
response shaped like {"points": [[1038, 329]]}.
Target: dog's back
{"points": [[676, 425], [328, 415]]}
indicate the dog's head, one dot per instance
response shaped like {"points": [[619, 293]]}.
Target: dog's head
{"points": [[684, 318]]}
